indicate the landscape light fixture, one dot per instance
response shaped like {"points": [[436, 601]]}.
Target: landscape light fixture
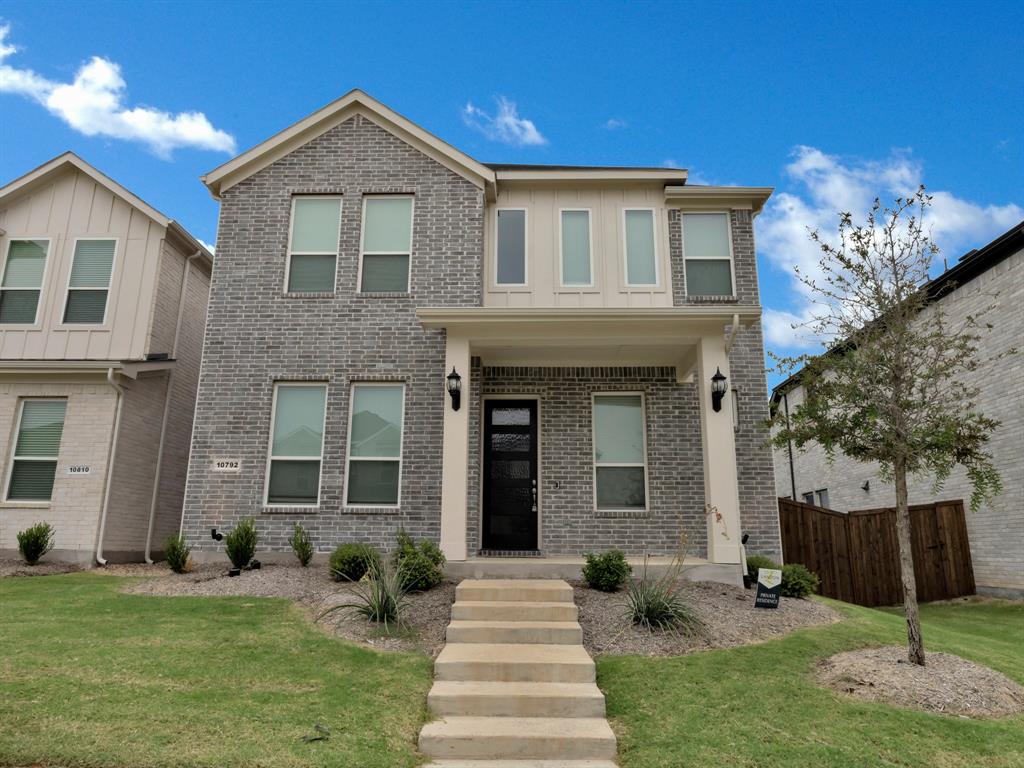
{"points": [[717, 390], [454, 382]]}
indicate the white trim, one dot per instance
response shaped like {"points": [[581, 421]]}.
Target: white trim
{"points": [[13, 455], [270, 445], [42, 280], [654, 242], [62, 323], [349, 458], [682, 245], [289, 253], [362, 242], [593, 450], [590, 251], [526, 249]]}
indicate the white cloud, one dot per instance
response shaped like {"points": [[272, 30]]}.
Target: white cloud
{"points": [[505, 125], [614, 123], [93, 104], [206, 245]]}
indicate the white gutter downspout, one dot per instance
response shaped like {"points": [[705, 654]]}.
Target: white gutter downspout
{"points": [[167, 405], [111, 453], [732, 333]]}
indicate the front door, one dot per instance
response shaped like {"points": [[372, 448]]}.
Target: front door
{"points": [[510, 475]]}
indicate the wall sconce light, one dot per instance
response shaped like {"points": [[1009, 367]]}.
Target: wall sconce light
{"points": [[717, 390], [454, 382]]}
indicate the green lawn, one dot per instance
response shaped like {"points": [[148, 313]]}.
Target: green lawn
{"points": [[91, 677], [758, 707]]}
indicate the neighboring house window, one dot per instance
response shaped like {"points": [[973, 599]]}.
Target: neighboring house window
{"points": [[387, 244], [89, 283], [23, 280], [575, 241], [809, 497], [375, 444], [510, 237], [641, 254], [34, 463], [822, 497], [296, 444], [619, 452], [708, 252], [313, 244]]}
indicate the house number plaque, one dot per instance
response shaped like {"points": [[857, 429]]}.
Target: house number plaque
{"points": [[227, 465], [79, 469]]}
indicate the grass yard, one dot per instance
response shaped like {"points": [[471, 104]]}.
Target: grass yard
{"points": [[91, 677], [758, 707]]}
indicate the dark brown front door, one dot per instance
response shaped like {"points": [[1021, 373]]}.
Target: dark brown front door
{"points": [[510, 475]]}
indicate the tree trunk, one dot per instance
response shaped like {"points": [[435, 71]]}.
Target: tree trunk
{"points": [[914, 640]]}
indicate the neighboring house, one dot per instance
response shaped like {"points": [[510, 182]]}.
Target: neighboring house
{"points": [[102, 312], [991, 275], [364, 266]]}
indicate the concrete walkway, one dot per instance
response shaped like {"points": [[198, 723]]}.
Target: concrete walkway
{"points": [[514, 687]]}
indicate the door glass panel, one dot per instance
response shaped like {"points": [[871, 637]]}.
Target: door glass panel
{"points": [[510, 416], [510, 470], [510, 442]]}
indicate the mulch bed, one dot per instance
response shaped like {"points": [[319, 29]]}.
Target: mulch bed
{"points": [[44, 568], [728, 613], [947, 684]]}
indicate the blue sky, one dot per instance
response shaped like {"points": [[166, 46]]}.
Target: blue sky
{"points": [[829, 103]]}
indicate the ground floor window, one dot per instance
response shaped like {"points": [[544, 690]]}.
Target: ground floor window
{"points": [[375, 444], [296, 444], [37, 444], [620, 452]]}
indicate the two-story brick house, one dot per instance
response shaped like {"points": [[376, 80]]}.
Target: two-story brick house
{"points": [[102, 312], [365, 269]]}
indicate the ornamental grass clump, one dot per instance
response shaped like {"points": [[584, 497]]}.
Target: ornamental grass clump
{"points": [[658, 603], [240, 544], [380, 597], [302, 545], [607, 571], [177, 551], [35, 541]]}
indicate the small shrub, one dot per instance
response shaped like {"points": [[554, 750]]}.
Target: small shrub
{"points": [[421, 566], [606, 571], [658, 604], [755, 562], [350, 562], [381, 597], [302, 545], [798, 581], [35, 541], [176, 551], [241, 543]]}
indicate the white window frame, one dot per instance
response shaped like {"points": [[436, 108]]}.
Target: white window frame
{"points": [[14, 447], [362, 252], [593, 451], [349, 458], [270, 445], [68, 289], [526, 248], [42, 283], [336, 252], [732, 260], [625, 249], [590, 251]]}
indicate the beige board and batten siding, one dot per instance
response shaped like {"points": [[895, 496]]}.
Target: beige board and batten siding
{"points": [[69, 206], [543, 204]]}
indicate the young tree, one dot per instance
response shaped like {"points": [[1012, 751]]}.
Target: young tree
{"points": [[890, 387]]}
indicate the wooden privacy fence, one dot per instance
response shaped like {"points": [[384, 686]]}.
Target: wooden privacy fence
{"points": [[856, 554]]}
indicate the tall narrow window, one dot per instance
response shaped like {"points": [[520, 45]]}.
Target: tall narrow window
{"points": [[89, 284], [708, 254], [387, 244], [296, 444], [576, 248], [619, 452], [511, 247], [313, 245], [375, 444], [22, 280], [641, 256], [37, 445]]}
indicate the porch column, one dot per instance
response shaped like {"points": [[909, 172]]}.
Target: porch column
{"points": [[721, 484], [455, 452]]}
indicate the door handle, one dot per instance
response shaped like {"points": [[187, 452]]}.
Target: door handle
{"points": [[533, 484]]}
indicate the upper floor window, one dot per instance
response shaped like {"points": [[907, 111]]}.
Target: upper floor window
{"points": [[510, 267], [313, 244], [89, 282], [707, 247], [620, 452], [387, 244], [575, 241], [296, 444], [375, 444], [22, 282], [36, 447], [641, 254]]}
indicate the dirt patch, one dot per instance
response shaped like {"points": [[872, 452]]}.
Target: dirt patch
{"points": [[948, 684], [19, 568], [728, 614]]}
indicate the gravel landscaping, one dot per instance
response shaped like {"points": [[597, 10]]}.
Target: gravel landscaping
{"points": [[43, 568]]}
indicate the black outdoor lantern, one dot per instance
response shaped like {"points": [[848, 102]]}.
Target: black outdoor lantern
{"points": [[717, 390], [455, 388]]}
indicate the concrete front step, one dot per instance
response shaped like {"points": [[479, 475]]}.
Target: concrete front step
{"points": [[514, 590], [476, 610], [527, 632], [523, 738], [516, 699], [521, 764], [511, 663]]}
